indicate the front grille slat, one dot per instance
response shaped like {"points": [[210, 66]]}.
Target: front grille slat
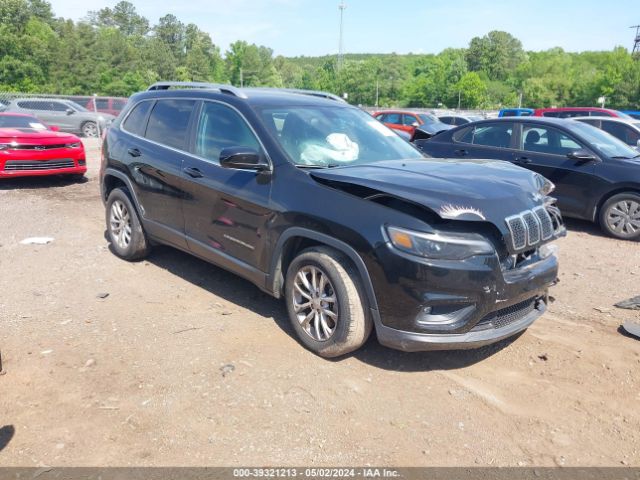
{"points": [[38, 147], [531, 227], [23, 165]]}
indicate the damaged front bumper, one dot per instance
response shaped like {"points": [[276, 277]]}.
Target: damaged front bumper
{"points": [[459, 305]]}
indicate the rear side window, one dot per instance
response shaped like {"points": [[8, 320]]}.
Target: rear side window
{"points": [[601, 114], [169, 122], [548, 140], [394, 118], [551, 114], [622, 131], [135, 122], [59, 107], [490, 135], [409, 120], [448, 120]]}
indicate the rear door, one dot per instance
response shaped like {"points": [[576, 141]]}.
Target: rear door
{"points": [[544, 149], [226, 210], [490, 140], [154, 152]]}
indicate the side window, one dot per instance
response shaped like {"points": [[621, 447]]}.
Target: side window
{"points": [[394, 118], [119, 104], [551, 114], [380, 117], [58, 107], [493, 135], [448, 120], [26, 105], [102, 103], [601, 114], [464, 136], [593, 122], [512, 113], [135, 122], [36, 105], [622, 131], [169, 122], [409, 120], [220, 127], [547, 140]]}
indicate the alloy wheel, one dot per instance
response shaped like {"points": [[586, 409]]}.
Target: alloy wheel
{"points": [[623, 218], [315, 303], [120, 224], [90, 129]]}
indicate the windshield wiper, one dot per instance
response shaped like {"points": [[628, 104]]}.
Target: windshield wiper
{"points": [[622, 157], [331, 165]]}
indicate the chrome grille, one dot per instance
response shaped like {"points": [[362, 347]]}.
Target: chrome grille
{"points": [[531, 227], [546, 224], [21, 165]]}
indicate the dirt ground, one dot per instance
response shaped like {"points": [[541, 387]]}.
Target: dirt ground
{"points": [[183, 364]]}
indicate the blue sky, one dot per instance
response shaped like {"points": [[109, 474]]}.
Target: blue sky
{"points": [[310, 27]]}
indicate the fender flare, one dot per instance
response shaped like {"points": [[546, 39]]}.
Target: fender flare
{"points": [[332, 242], [121, 176]]}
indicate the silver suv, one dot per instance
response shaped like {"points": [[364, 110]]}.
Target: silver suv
{"points": [[65, 114]]}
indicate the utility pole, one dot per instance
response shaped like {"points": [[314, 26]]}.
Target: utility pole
{"points": [[636, 44], [342, 6], [377, 91]]}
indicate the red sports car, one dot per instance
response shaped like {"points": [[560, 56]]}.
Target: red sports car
{"points": [[30, 148]]}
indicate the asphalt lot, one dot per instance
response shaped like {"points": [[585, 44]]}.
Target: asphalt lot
{"points": [[185, 364]]}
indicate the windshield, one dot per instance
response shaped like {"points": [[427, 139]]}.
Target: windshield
{"points": [[427, 118], [334, 136], [20, 121], [76, 106], [607, 144]]}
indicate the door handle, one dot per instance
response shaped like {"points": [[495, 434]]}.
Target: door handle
{"points": [[134, 152], [461, 152], [193, 172], [525, 160]]}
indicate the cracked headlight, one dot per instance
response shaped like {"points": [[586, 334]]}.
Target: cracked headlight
{"points": [[439, 246]]}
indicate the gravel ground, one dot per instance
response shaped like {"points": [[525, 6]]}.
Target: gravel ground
{"points": [[183, 364]]}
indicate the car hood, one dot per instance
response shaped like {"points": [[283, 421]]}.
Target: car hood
{"points": [[472, 190], [29, 136]]}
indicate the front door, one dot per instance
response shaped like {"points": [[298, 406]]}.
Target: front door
{"points": [[544, 150], [226, 210]]}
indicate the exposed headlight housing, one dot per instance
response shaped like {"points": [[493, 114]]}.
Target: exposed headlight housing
{"points": [[74, 145], [545, 185], [4, 146], [438, 246]]}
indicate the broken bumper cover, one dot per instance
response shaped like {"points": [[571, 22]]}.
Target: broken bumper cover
{"points": [[415, 342]]}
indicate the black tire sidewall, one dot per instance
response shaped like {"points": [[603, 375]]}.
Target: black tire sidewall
{"points": [[605, 208], [340, 336], [137, 247]]}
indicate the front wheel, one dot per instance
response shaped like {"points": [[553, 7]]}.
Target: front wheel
{"points": [[325, 302], [620, 216]]}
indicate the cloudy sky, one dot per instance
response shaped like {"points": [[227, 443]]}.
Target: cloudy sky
{"points": [[310, 27]]}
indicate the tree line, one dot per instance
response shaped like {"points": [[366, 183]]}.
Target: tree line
{"points": [[116, 51]]}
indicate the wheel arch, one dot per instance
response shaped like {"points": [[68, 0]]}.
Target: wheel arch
{"points": [[296, 239], [617, 191], [113, 179]]}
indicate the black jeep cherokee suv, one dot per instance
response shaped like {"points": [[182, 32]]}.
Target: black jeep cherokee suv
{"points": [[317, 202]]}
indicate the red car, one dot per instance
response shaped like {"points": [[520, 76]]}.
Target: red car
{"points": [[111, 105], [570, 112], [30, 148], [407, 122]]}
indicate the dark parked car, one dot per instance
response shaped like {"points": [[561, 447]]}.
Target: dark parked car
{"points": [[626, 130], [318, 203], [597, 177], [516, 112], [457, 119]]}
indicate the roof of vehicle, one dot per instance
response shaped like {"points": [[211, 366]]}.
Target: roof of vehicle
{"points": [[408, 112], [629, 121], [549, 120], [578, 109], [260, 96]]}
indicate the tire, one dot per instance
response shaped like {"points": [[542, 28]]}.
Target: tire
{"points": [[124, 230], [620, 216], [346, 325], [89, 129]]}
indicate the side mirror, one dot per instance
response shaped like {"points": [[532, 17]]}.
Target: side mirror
{"points": [[415, 124], [242, 158], [54, 128], [70, 111], [582, 156]]}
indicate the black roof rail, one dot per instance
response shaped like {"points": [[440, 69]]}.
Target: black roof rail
{"points": [[229, 89], [313, 93]]}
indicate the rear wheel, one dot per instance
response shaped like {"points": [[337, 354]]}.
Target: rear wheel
{"points": [[620, 216], [325, 302], [89, 129], [124, 229]]}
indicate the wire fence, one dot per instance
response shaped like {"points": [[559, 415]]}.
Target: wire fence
{"points": [[86, 116]]}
